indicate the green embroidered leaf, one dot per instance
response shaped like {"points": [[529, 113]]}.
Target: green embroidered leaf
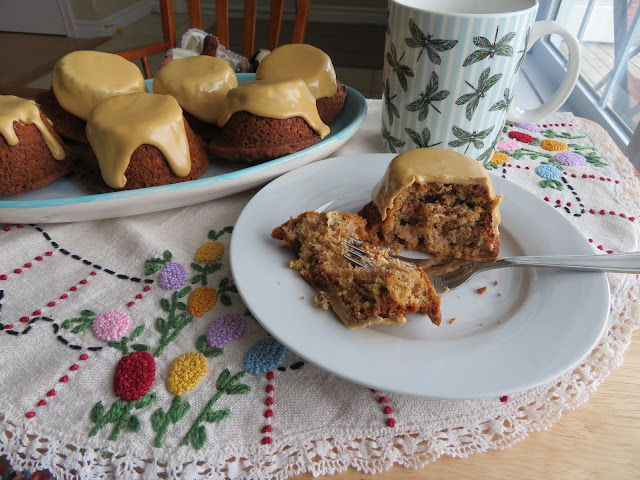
{"points": [[137, 332], [217, 416], [140, 347], [165, 304], [223, 283], [197, 267], [145, 401], [177, 410], [184, 291], [88, 313], [81, 327], [239, 389], [158, 419], [167, 256], [205, 349], [199, 437], [225, 300], [223, 380], [181, 306], [161, 324], [490, 166], [212, 268], [213, 235], [133, 423], [96, 412]]}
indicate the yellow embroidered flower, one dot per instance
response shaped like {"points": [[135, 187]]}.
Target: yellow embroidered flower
{"points": [[499, 158], [553, 145], [201, 300], [210, 252], [185, 372]]}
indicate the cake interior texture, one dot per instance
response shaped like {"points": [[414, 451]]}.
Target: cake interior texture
{"points": [[359, 296], [449, 220]]}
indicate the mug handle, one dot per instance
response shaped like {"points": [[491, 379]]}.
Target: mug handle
{"points": [[538, 30]]}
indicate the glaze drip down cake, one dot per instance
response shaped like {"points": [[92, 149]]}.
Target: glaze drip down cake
{"points": [[436, 201], [79, 81], [262, 120], [359, 296], [32, 155], [140, 140]]}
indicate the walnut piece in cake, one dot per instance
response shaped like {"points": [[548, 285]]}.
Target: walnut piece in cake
{"points": [[359, 296]]}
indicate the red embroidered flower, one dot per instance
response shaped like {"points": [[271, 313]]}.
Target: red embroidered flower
{"points": [[134, 375], [521, 137]]}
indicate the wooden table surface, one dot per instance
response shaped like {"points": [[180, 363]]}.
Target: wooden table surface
{"points": [[599, 440]]}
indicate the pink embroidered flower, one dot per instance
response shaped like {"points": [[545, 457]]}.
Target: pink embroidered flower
{"points": [[111, 325], [507, 146]]}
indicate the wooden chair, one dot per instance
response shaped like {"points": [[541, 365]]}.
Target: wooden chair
{"points": [[222, 25]]}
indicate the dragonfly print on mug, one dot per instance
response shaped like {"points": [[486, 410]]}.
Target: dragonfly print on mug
{"points": [[451, 69]]}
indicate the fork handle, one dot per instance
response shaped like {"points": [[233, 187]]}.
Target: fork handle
{"points": [[616, 262]]}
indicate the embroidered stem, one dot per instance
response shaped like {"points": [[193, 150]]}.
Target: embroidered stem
{"points": [[160, 420], [119, 414], [123, 346], [197, 435], [552, 134], [81, 323], [177, 321]]}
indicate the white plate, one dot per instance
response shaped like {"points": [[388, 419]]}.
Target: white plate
{"points": [[534, 325], [66, 200]]}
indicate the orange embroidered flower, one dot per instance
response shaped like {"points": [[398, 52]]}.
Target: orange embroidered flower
{"points": [[201, 300], [186, 371], [553, 145], [499, 158], [210, 252]]}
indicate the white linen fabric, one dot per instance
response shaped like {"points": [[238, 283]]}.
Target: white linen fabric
{"points": [[295, 417]]}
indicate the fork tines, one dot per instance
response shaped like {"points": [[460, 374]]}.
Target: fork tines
{"points": [[355, 254]]}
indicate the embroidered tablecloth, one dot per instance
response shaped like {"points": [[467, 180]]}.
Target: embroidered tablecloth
{"points": [[127, 352]]}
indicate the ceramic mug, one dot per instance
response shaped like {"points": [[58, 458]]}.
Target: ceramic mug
{"points": [[451, 69]]}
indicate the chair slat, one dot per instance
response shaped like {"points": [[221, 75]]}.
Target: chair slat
{"points": [[249, 37], [302, 18], [195, 14], [222, 22], [275, 23]]}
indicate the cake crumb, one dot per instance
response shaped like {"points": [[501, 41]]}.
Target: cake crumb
{"points": [[452, 320], [499, 294], [495, 282], [302, 297], [481, 290]]}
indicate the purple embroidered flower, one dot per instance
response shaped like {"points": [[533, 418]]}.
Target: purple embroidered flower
{"points": [[224, 329], [548, 171], [507, 145], [532, 127], [570, 158], [172, 276], [111, 325], [265, 355]]}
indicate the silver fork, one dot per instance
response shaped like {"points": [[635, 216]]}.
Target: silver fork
{"points": [[450, 273]]}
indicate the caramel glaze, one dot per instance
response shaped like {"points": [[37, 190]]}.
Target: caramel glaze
{"points": [[431, 165], [300, 61], [16, 109], [285, 99], [120, 124], [82, 79], [199, 83]]}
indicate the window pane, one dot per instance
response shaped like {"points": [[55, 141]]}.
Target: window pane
{"points": [[609, 34]]}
